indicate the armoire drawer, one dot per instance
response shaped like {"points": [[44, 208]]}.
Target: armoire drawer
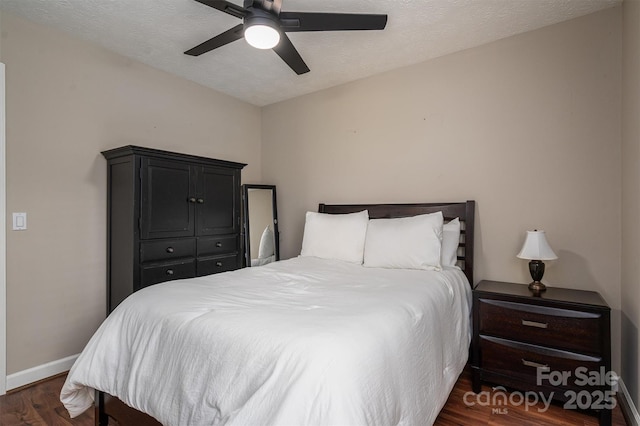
{"points": [[157, 250], [154, 274], [212, 246], [558, 328], [215, 265]]}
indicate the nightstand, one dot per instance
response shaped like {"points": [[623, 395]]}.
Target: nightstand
{"points": [[558, 343]]}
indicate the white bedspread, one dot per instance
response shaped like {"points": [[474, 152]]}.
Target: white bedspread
{"points": [[304, 341]]}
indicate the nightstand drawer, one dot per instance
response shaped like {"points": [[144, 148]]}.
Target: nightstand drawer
{"points": [[523, 360], [554, 327]]}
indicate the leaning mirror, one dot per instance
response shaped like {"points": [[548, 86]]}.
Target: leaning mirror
{"points": [[261, 241]]}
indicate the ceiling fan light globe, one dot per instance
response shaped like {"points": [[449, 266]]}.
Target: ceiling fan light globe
{"points": [[262, 36]]}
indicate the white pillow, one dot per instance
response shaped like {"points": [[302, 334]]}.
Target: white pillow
{"points": [[405, 243], [335, 236], [450, 241], [267, 244]]}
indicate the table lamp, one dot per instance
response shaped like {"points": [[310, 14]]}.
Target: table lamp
{"points": [[536, 249]]}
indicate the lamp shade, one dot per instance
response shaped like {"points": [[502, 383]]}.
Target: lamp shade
{"points": [[536, 247]]}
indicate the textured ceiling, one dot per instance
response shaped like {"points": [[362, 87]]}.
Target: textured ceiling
{"points": [[157, 32]]}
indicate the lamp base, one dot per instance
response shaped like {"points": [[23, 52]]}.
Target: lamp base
{"points": [[536, 269], [537, 287]]}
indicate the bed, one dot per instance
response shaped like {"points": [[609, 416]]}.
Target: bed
{"points": [[302, 341]]}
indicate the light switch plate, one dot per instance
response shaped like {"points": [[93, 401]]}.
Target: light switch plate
{"points": [[19, 221]]}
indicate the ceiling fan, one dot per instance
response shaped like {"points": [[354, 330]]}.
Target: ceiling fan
{"points": [[264, 27]]}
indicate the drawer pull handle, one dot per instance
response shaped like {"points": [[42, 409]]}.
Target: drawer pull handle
{"points": [[219, 264], [534, 324], [191, 199], [169, 249], [200, 201], [545, 367], [169, 271], [218, 244]]}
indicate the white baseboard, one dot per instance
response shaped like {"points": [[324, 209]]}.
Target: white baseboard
{"points": [[627, 405], [25, 377]]}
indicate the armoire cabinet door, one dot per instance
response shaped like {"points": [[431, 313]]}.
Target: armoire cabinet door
{"points": [[218, 208], [168, 199]]}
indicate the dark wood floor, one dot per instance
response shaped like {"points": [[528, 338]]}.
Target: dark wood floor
{"points": [[40, 405], [456, 412]]}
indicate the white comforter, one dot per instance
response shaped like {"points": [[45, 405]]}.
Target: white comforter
{"points": [[304, 341]]}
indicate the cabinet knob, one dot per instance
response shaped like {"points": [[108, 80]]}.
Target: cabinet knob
{"points": [[169, 271], [169, 249], [200, 201], [219, 264], [218, 244], [191, 199]]}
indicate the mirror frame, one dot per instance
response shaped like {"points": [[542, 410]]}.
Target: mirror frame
{"points": [[247, 235]]}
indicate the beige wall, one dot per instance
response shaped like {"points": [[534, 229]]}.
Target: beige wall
{"points": [[66, 101], [528, 126], [630, 289]]}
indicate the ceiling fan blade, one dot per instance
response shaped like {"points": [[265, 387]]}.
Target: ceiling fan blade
{"points": [[226, 37], [302, 21], [290, 55], [226, 7]]}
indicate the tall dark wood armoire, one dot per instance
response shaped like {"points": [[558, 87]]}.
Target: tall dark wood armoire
{"points": [[170, 216]]}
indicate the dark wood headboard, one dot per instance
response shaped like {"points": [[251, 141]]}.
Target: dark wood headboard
{"points": [[465, 211]]}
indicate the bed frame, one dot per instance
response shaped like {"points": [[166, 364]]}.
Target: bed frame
{"points": [[107, 406], [465, 211]]}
